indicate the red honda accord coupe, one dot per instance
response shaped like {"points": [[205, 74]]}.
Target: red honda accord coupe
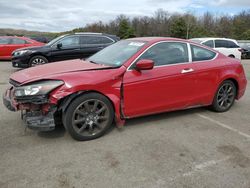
{"points": [[134, 77], [10, 43]]}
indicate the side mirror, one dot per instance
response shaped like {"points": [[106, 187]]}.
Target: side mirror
{"points": [[144, 64], [59, 45]]}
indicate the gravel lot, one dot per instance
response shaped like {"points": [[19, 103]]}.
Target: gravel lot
{"points": [[191, 148]]}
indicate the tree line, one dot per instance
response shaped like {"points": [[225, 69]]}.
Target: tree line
{"points": [[163, 23], [186, 25]]}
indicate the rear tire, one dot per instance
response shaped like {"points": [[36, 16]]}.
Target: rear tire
{"points": [[37, 60], [224, 97], [88, 117]]}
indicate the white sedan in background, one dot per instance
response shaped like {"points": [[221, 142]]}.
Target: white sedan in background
{"points": [[228, 47]]}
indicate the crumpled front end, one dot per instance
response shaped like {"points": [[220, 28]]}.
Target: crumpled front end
{"points": [[37, 112]]}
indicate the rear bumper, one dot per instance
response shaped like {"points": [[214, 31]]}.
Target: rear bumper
{"points": [[242, 89]]}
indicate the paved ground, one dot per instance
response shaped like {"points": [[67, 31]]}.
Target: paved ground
{"points": [[191, 148]]}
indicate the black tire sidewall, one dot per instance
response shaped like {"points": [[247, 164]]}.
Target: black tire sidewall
{"points": [[215, 105], [37, 56], [67, 119]]}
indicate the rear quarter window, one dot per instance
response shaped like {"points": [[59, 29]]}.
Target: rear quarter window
{"points": [[106, 40], [231, 44], [201, 54], [225, 44], [91, 40]]}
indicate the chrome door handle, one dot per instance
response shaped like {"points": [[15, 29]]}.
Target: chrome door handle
{"points": [[186, 71]]}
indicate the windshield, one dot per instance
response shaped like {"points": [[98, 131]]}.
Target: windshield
{"points": [[118, 53], [54, 40]]}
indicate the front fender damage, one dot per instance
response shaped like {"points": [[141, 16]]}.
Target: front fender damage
{"points": [[44, 112], [36, 111]]}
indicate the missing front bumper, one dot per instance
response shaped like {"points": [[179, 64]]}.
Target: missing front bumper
{"points": [[36, 120], [34, 117]]}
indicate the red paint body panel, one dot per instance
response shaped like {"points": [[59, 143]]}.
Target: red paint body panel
{"points": [[158, 89], [7, 49], [137, 93], [55, 69]]}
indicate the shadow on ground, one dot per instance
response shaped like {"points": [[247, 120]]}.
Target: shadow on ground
{"points": [[58, 132]]}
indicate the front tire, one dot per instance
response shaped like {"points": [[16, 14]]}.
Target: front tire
{"points": [[224, 97], [37, 60], [88, 117]]}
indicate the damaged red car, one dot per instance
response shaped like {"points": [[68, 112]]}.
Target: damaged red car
{"points": [[132, 78]]}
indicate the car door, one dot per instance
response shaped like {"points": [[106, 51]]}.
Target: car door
{"points": [[90, 45], [4, 50], [14, 43], [169, 85], [207, 69], [66, 48]]}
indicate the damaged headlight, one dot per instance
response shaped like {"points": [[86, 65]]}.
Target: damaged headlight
{"points": [[38, 88]]}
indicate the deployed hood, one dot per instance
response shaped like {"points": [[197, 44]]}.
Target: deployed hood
{"points": [[43, 71]]}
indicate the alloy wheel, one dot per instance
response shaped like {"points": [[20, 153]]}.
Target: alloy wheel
{"points": [[226, 95], [37, 61], [90, 117]]}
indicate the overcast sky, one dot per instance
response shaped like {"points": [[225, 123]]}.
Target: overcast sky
{"points": [[62, 15]]}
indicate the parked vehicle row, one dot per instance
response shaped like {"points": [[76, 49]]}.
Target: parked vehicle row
{"points": [[245, 45], [131, 78], [83, 45]]}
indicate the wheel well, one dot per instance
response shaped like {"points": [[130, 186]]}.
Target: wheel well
{"points": [[235, 83], [38, 54], [64, 103], [231, 55]]}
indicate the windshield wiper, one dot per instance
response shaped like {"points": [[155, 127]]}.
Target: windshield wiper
{"points": [[93, 62]]}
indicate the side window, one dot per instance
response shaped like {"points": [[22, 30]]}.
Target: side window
{"points": [[167, 53], [4, 40], [201, 54], [91, 40], [106, 40], [209, 43], [231, 44], [221, 44], [18, 41], [70, 41]]}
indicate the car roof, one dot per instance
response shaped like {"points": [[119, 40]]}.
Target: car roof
{"points": [[26, 38], [114, 37], [213, 38], [156, 39]]}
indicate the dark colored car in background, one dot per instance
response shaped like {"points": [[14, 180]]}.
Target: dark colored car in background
{"points": [[42, 39], [245, 46], [66, 47], [10, 43]]}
